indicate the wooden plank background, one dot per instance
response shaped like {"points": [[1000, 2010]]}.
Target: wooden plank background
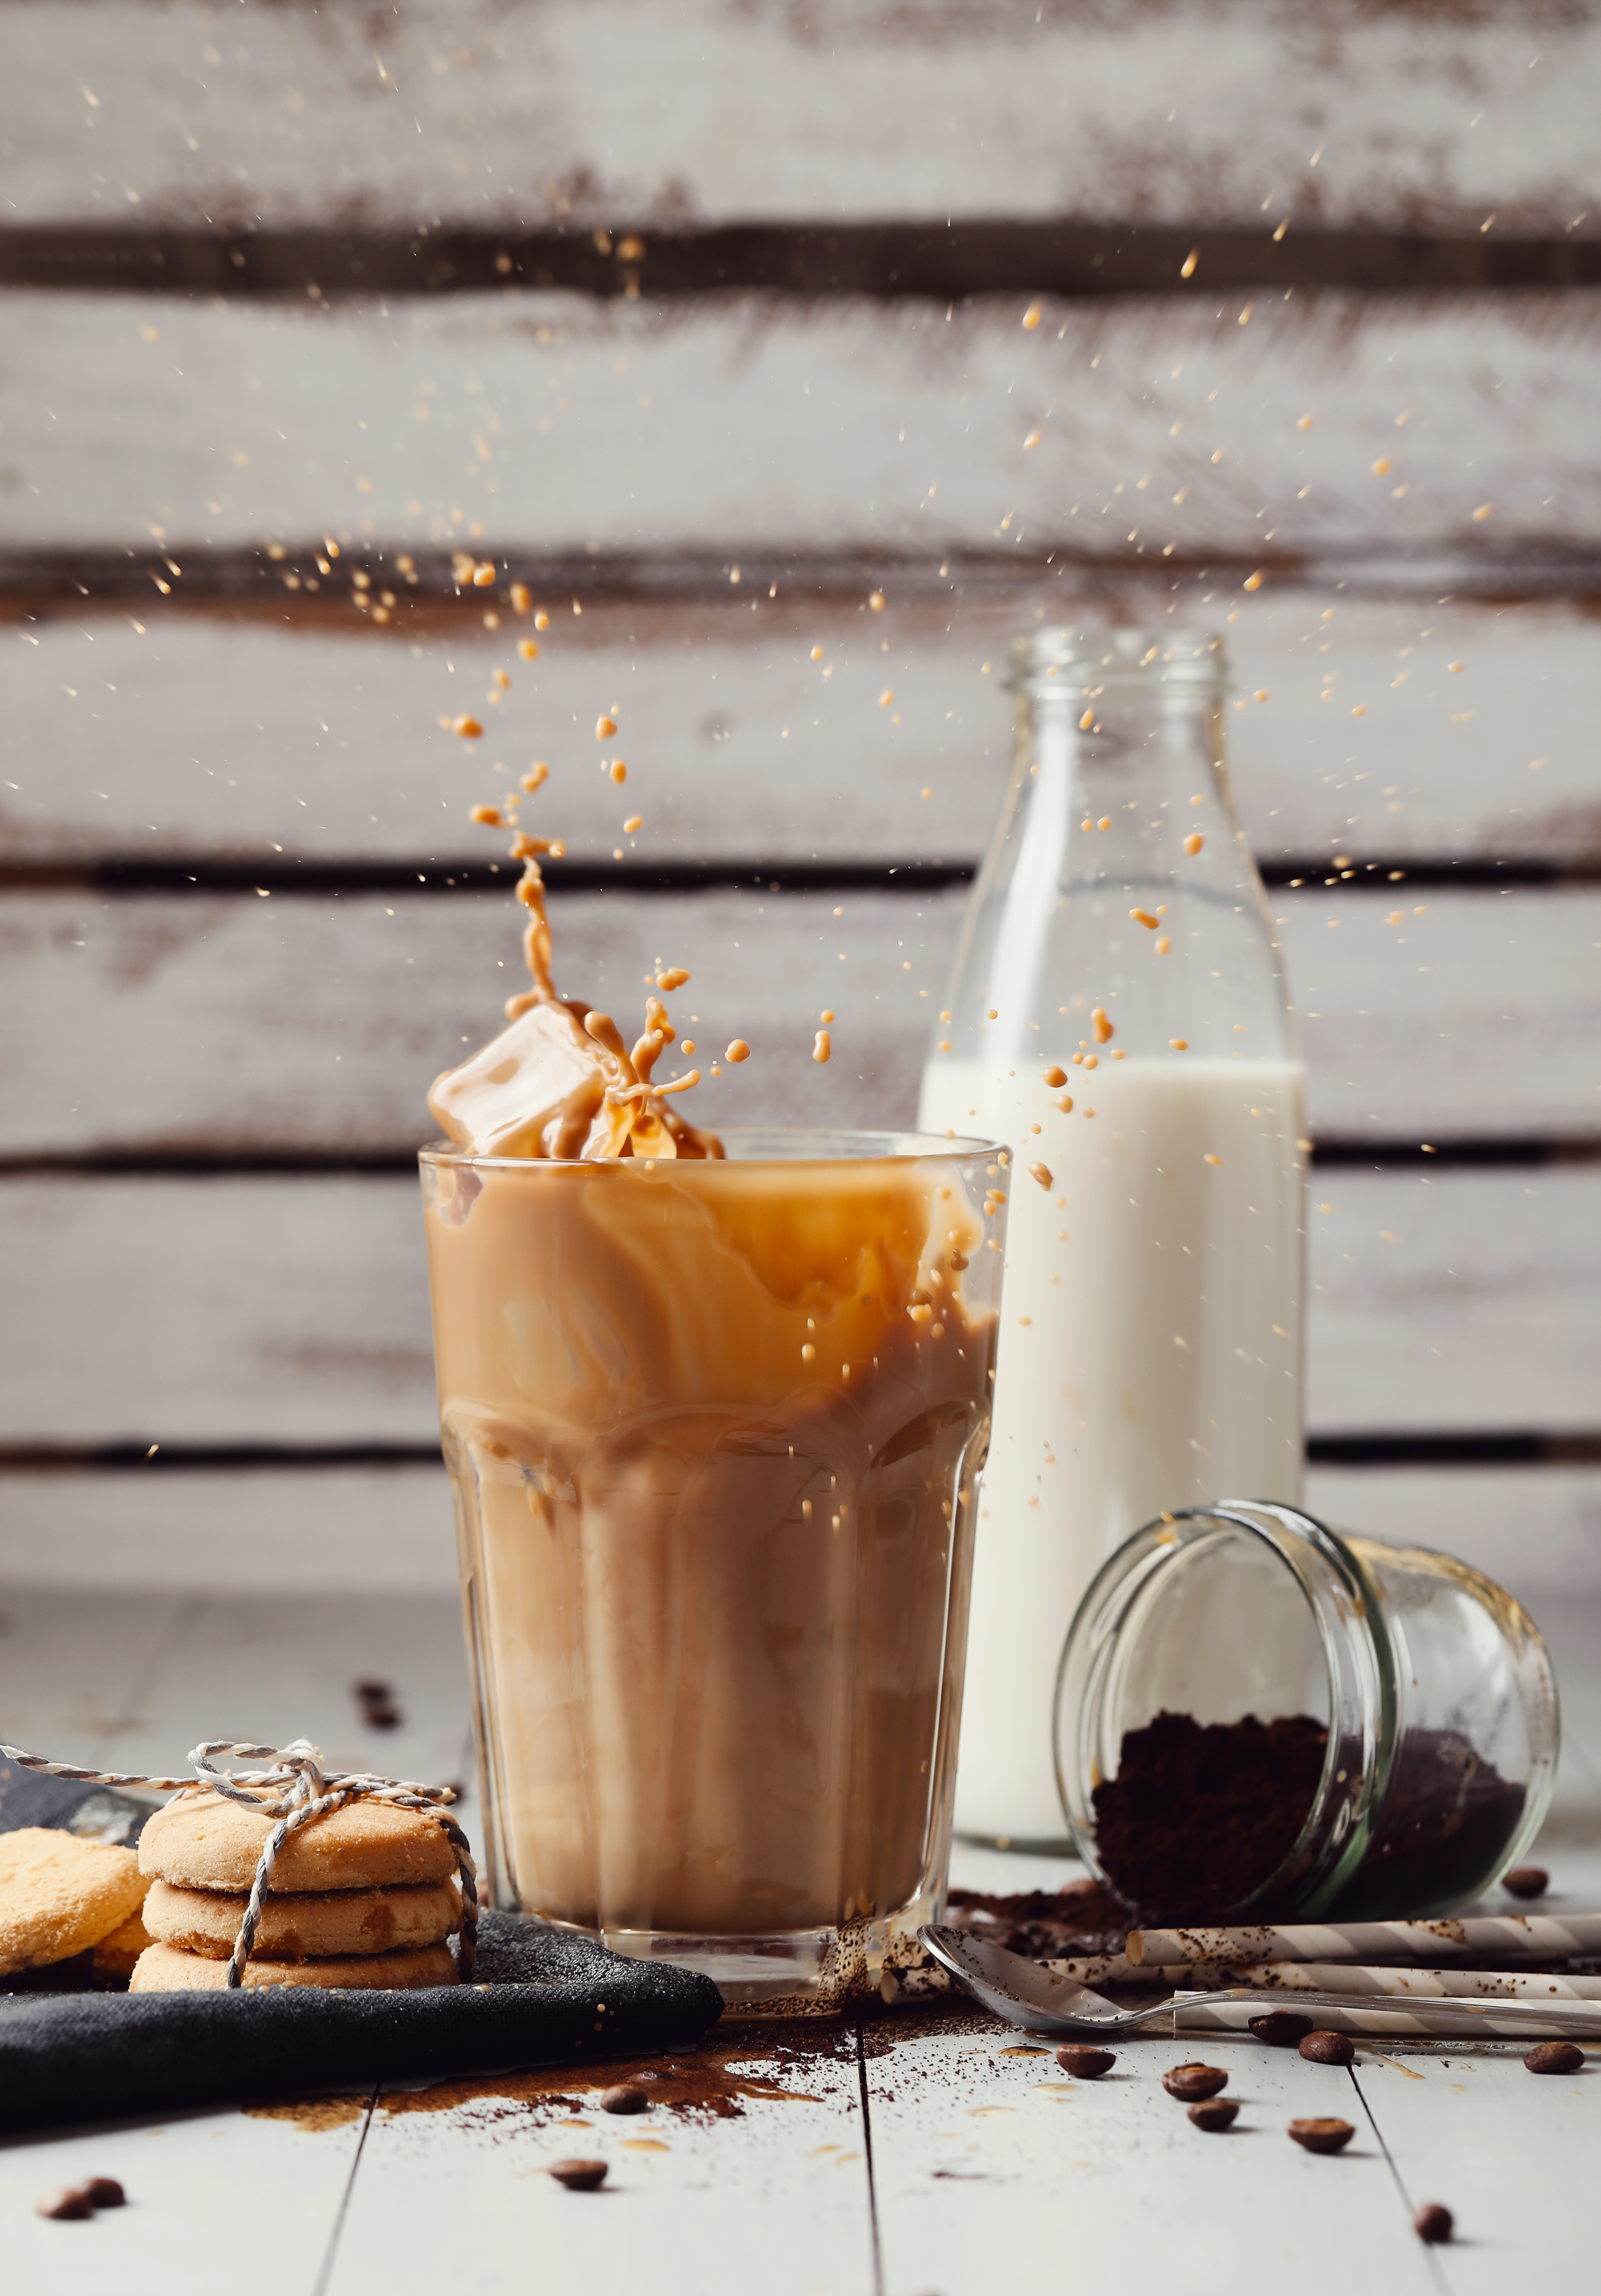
{"points": [[711, 328]]}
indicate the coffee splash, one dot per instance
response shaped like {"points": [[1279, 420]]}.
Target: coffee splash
{"points": [[560, 1081]]}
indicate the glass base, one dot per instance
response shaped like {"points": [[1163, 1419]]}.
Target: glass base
{"points": [[812, 1972], [1019, 1845]]}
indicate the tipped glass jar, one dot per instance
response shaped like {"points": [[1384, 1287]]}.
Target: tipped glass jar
{"points": [[1116, 1013], [1379, 1747]]}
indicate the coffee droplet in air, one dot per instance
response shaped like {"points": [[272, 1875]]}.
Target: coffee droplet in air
{"points": [[675, 977], [822, 1048], [1042, 1173], [1085, 722], [634, 821], [605, 727], [1144, 917], [1179, 1043], [738, 1051], [467, 726], [1210, 1158], [827, 1016], [1055, 1077], [1193, 841], [1102, 1026], [1033, 314]]}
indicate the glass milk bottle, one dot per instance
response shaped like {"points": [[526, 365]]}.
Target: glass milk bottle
{"points": [[1116, 1013]]}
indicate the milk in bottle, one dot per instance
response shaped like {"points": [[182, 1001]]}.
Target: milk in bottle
{"points": [[1116, 1013]]}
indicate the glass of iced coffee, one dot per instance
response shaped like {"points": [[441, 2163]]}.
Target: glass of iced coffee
{"points": [[715, 1423]]}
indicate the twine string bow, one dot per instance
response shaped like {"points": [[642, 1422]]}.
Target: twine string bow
{"points": [[293, 1791]]}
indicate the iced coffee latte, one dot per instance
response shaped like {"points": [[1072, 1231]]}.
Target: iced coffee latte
{"points": [[713, 1411]]}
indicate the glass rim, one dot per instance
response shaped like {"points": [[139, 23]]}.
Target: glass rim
{"points": [[909, 1147]]}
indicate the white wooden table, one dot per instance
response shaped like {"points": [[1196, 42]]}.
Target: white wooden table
{"points": [[915, 2154], [706, 320]]}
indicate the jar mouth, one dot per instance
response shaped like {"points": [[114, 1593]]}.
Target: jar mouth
{"points": [[1089, 655], [1293, 1626]]}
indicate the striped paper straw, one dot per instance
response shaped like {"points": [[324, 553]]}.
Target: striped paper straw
{"points": [[1418, 1984], [1497, 1937]]}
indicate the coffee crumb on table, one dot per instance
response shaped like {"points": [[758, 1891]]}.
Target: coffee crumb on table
{"points": [[1084, 2063], [1556, 2057], [579, 2175], [71, 2204], [1321, 2135], [1192, 2082], [1281, 2029], [1329, 2049], [1527, 1880]]}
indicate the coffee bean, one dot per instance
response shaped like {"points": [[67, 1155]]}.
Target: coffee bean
{"points": [[1282, 2028], [1434, 2223], [1322, 2135], [1527, 1880], [1328, 2049], [71, 2202], [102, 2191], [579, 2175], [1214, 2112], [1084, 2065], [1188, 2082], [627, 2096], [1556, 2057]]}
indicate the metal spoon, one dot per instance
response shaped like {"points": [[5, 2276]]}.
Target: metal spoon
{"points": [[1028, 1996]]}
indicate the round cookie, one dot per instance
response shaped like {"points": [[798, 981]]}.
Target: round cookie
{"points": [[308, 1924], [60, 1895], [205, 1842], [115, 1956], [165, 1968]]}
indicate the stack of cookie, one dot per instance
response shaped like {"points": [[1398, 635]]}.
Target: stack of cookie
{"points": [[365, 1896], [61, 1897]]}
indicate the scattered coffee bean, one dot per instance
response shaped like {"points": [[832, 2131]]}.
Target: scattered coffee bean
{"points": [[1083, 2064], [1214, 2112], [71, 2202], [1190, 2082], [1282, 2028], [1434, 2223], [579, 2175], [1328, 2049], [1527, 1880], [102, 2191], [1322, 2135], [376, 1701], [627, 2096], [1556, 2057]]}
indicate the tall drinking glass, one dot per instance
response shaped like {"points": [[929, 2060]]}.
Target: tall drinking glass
{"points": [[715, 1428]]}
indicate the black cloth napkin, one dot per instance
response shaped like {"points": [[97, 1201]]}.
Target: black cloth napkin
{"points": [[541, 1997]]}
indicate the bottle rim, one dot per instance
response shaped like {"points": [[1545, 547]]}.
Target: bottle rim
{"points": [[1194, 661]]}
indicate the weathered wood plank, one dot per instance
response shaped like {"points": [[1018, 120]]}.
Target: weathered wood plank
{"points": [[491, 113], [209, 738], [1448, 2120], [75, 1660], [230, 1024], [775, 2194], [983, 2151], [294, 1310], [339, 1529], [1535, 1529], [548, 420], [182, 2179]]}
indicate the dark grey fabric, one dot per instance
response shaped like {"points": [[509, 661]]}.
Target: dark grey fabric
{"points": [[541, 1997]]}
